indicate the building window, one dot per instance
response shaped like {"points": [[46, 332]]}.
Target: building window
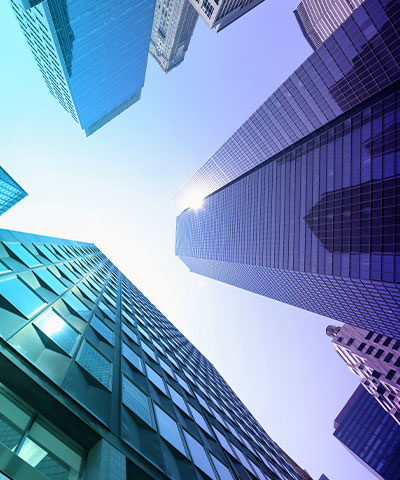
{"points": [[378, 338], [397, 362], [350, 342], [340, 339], [199, 455], [387, 341], [370, 349], [390, 374], [369, 335], [376, 374], [388, 357], [361, 346], [207, 8], [168, 429]]}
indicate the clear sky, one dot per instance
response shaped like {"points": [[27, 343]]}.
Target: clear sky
{"points": [[114, 189]]}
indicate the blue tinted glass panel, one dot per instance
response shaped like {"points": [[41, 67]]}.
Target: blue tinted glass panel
{"points": [[98, 366], [76, 305], [155, 378], [178, 399], [132, 357], [137, 401], [199, 455], [21, 297], [51, 281], [223, 471], [58, 330], [22, 254], [169, 429]]}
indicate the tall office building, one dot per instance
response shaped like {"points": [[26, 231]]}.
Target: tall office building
{"points": [[318, 19], [173, 26], [92, 53], [93, 378], [301, 202], [376, 359], [10, 192], [219, 14], [370, 434]]}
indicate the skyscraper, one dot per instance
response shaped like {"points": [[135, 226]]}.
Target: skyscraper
{"points": [[173, 27], [318, 19], [10, 192], [370, 434], [376, 359], [220, 14], [93, 378], [300, 203], [92, 53]]}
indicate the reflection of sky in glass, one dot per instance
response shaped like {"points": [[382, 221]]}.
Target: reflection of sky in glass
{"points": [[76, 305], [21, 297], [59, 331], [50, 280], [169, 429], [23, 255]]}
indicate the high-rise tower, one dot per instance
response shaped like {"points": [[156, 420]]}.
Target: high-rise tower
{"points": [[94, 379], [92, 53], [318, 19], [301, 203], [376, 359], [10, 192], [219, 14], [173, 27], [370, 434]]}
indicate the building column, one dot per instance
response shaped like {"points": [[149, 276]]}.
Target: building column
{"points": [[105, 462]]}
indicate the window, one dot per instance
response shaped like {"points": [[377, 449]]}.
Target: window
{"points": [[132, 357], [22, 254], [361, 346], [350, 342], [396, 345], [77, 306], [58, 330], [378, 338], [137, 401], [178, 399], [390, 374], [369, 335], [51, 281], [199, 455], [397, 362], [165, 367], [198, 418], [370, 349], [223, 441], [97, 365], [155, 379], [223, 471], [148, 350], [387, 341], [102, 328], [168, 429], [129, 332], [379, 353], [388, 357], [21, 297]]}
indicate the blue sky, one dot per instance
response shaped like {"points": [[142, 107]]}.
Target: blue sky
{"points": [[115, 189]]}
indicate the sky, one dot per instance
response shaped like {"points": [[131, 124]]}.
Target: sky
{"points": [[115, 189]]}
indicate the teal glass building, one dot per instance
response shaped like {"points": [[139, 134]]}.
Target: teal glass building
{"points": [[96, 383], [10, 192], [92, 53]]}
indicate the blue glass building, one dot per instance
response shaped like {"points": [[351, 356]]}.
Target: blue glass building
{"points": [[303, 199], [10, 192], [96, 383], [370, 434], [92, 53]]}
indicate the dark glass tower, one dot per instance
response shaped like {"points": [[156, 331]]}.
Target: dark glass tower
{"points": [[302, 201], [10, 192], [370, 434], [92, 53], [93, 378]]}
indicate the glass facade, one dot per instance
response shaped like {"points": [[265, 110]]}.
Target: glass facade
{"points": [[92, 54], [370, 434], [359, 60], [318, 225], [318, 19], [173, 27], [10, 192], [80, 336]]}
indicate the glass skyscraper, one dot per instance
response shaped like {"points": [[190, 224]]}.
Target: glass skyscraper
{"points": [[10, 192], [370, 434], [302, 201], [173, 27], [318, 19], [92, 53], [93, 378]]}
